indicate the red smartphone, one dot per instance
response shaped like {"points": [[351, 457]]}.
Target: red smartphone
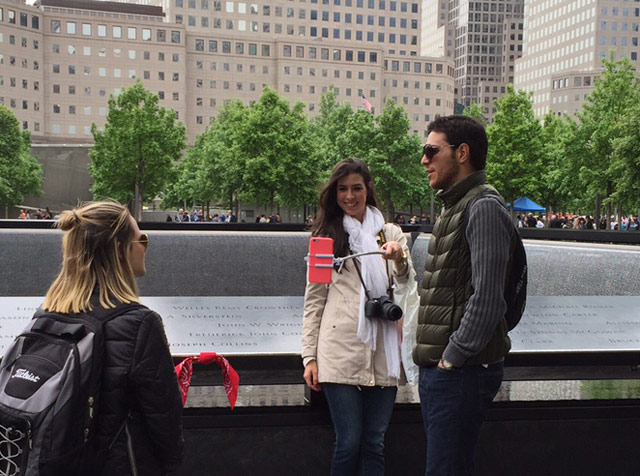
{"points": [[320, 260]]}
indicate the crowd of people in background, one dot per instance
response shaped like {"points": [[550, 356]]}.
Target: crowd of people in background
{"points": [[577, 222], [26, 214], [197, 215], [414, 220]]}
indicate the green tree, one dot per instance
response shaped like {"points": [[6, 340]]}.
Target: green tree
{"points": [[600, 121], [330, 135], [133, 156], [626, 161], [555, 178], [477, 113], [20, 172], [213, 169], [393, 156], [515, 151], [277, 149]]}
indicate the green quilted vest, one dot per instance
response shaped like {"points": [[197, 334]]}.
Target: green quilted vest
{"points": [[446, 283]]}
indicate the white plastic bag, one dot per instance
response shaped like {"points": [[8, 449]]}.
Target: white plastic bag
{"points": [[406, 296]]}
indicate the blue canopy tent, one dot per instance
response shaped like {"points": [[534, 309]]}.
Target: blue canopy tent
{"points": [[525, 204]]}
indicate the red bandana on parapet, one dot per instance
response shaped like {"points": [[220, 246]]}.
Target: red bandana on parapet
{"points": [[230, 377]]}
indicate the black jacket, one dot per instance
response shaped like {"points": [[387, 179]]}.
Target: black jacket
{"points": [[139, 378]]}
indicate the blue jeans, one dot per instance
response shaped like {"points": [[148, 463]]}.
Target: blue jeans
{"points": [[454, 404], [360, 418]]}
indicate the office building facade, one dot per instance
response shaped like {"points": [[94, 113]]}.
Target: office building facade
{"points": [[564, 43], [484, 39], [61, 60]]}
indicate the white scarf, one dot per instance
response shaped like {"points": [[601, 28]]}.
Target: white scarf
{"points": [[362, 239]]}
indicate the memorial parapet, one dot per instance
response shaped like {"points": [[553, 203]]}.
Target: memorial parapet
{"points": [[240, 293]]}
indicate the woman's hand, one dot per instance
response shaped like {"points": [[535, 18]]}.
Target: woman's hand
{"points": [[311, 376], [393, 251]]}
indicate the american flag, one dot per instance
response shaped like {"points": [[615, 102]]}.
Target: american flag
{"points": [[366, 103]]}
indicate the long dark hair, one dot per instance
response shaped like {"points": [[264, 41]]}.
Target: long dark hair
{"points": [[328, 220]]}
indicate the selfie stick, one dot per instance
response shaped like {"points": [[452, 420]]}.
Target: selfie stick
{"points": [[340, 261]]}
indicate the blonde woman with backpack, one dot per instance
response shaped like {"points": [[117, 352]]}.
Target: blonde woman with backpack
{"points": [[96, 391]]}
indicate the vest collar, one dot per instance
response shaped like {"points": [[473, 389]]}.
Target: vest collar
{"points": [[452, 195]]}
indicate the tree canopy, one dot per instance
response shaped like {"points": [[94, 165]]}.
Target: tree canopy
{"points": [[514, 160], [133, 156], [20, 172]]}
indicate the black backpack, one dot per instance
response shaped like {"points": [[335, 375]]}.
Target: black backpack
{"points": [[515, 289], [50, 380]]}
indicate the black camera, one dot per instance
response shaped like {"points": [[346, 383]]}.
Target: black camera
{"points": [[382, 308]]}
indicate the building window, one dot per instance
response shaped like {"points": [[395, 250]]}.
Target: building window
{"points": [[86, 29], [71, 28], [116, 32]]}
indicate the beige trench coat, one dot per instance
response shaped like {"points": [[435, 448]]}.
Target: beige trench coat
{"points": [[330, 326]]}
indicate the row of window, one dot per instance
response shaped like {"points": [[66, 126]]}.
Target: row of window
{"points": [[337, 17], [20, 18], [117, 53], [241, 7], [578, 81], [624, 41], [25, 83], [13, 61], [615, 11], [86, 29], [25, 104], [24, 42], [624, 26]]}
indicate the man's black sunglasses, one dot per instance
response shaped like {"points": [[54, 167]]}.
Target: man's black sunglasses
{"points": [[431, 150]]}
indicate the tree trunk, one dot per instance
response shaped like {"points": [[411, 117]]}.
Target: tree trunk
{"points": [[598, 210], [237, 207], [391, 212], [139, 193], [137, 203], [6, 212], [609, 186]]}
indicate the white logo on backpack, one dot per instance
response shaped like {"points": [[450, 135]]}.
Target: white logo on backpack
{"points": [[26, 375]]}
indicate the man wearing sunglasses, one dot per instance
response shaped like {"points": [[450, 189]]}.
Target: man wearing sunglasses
{"points": [[462, 334]]}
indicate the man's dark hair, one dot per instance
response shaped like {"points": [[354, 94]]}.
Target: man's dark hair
{"points": [[464, 130]]}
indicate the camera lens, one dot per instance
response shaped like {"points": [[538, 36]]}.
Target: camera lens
{"points": [[390, 310]]}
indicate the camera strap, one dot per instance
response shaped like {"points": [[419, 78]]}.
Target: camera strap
{"points": [[356, 263]]}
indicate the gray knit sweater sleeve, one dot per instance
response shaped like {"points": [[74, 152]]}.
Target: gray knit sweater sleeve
{"points": [[488, 233]]}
